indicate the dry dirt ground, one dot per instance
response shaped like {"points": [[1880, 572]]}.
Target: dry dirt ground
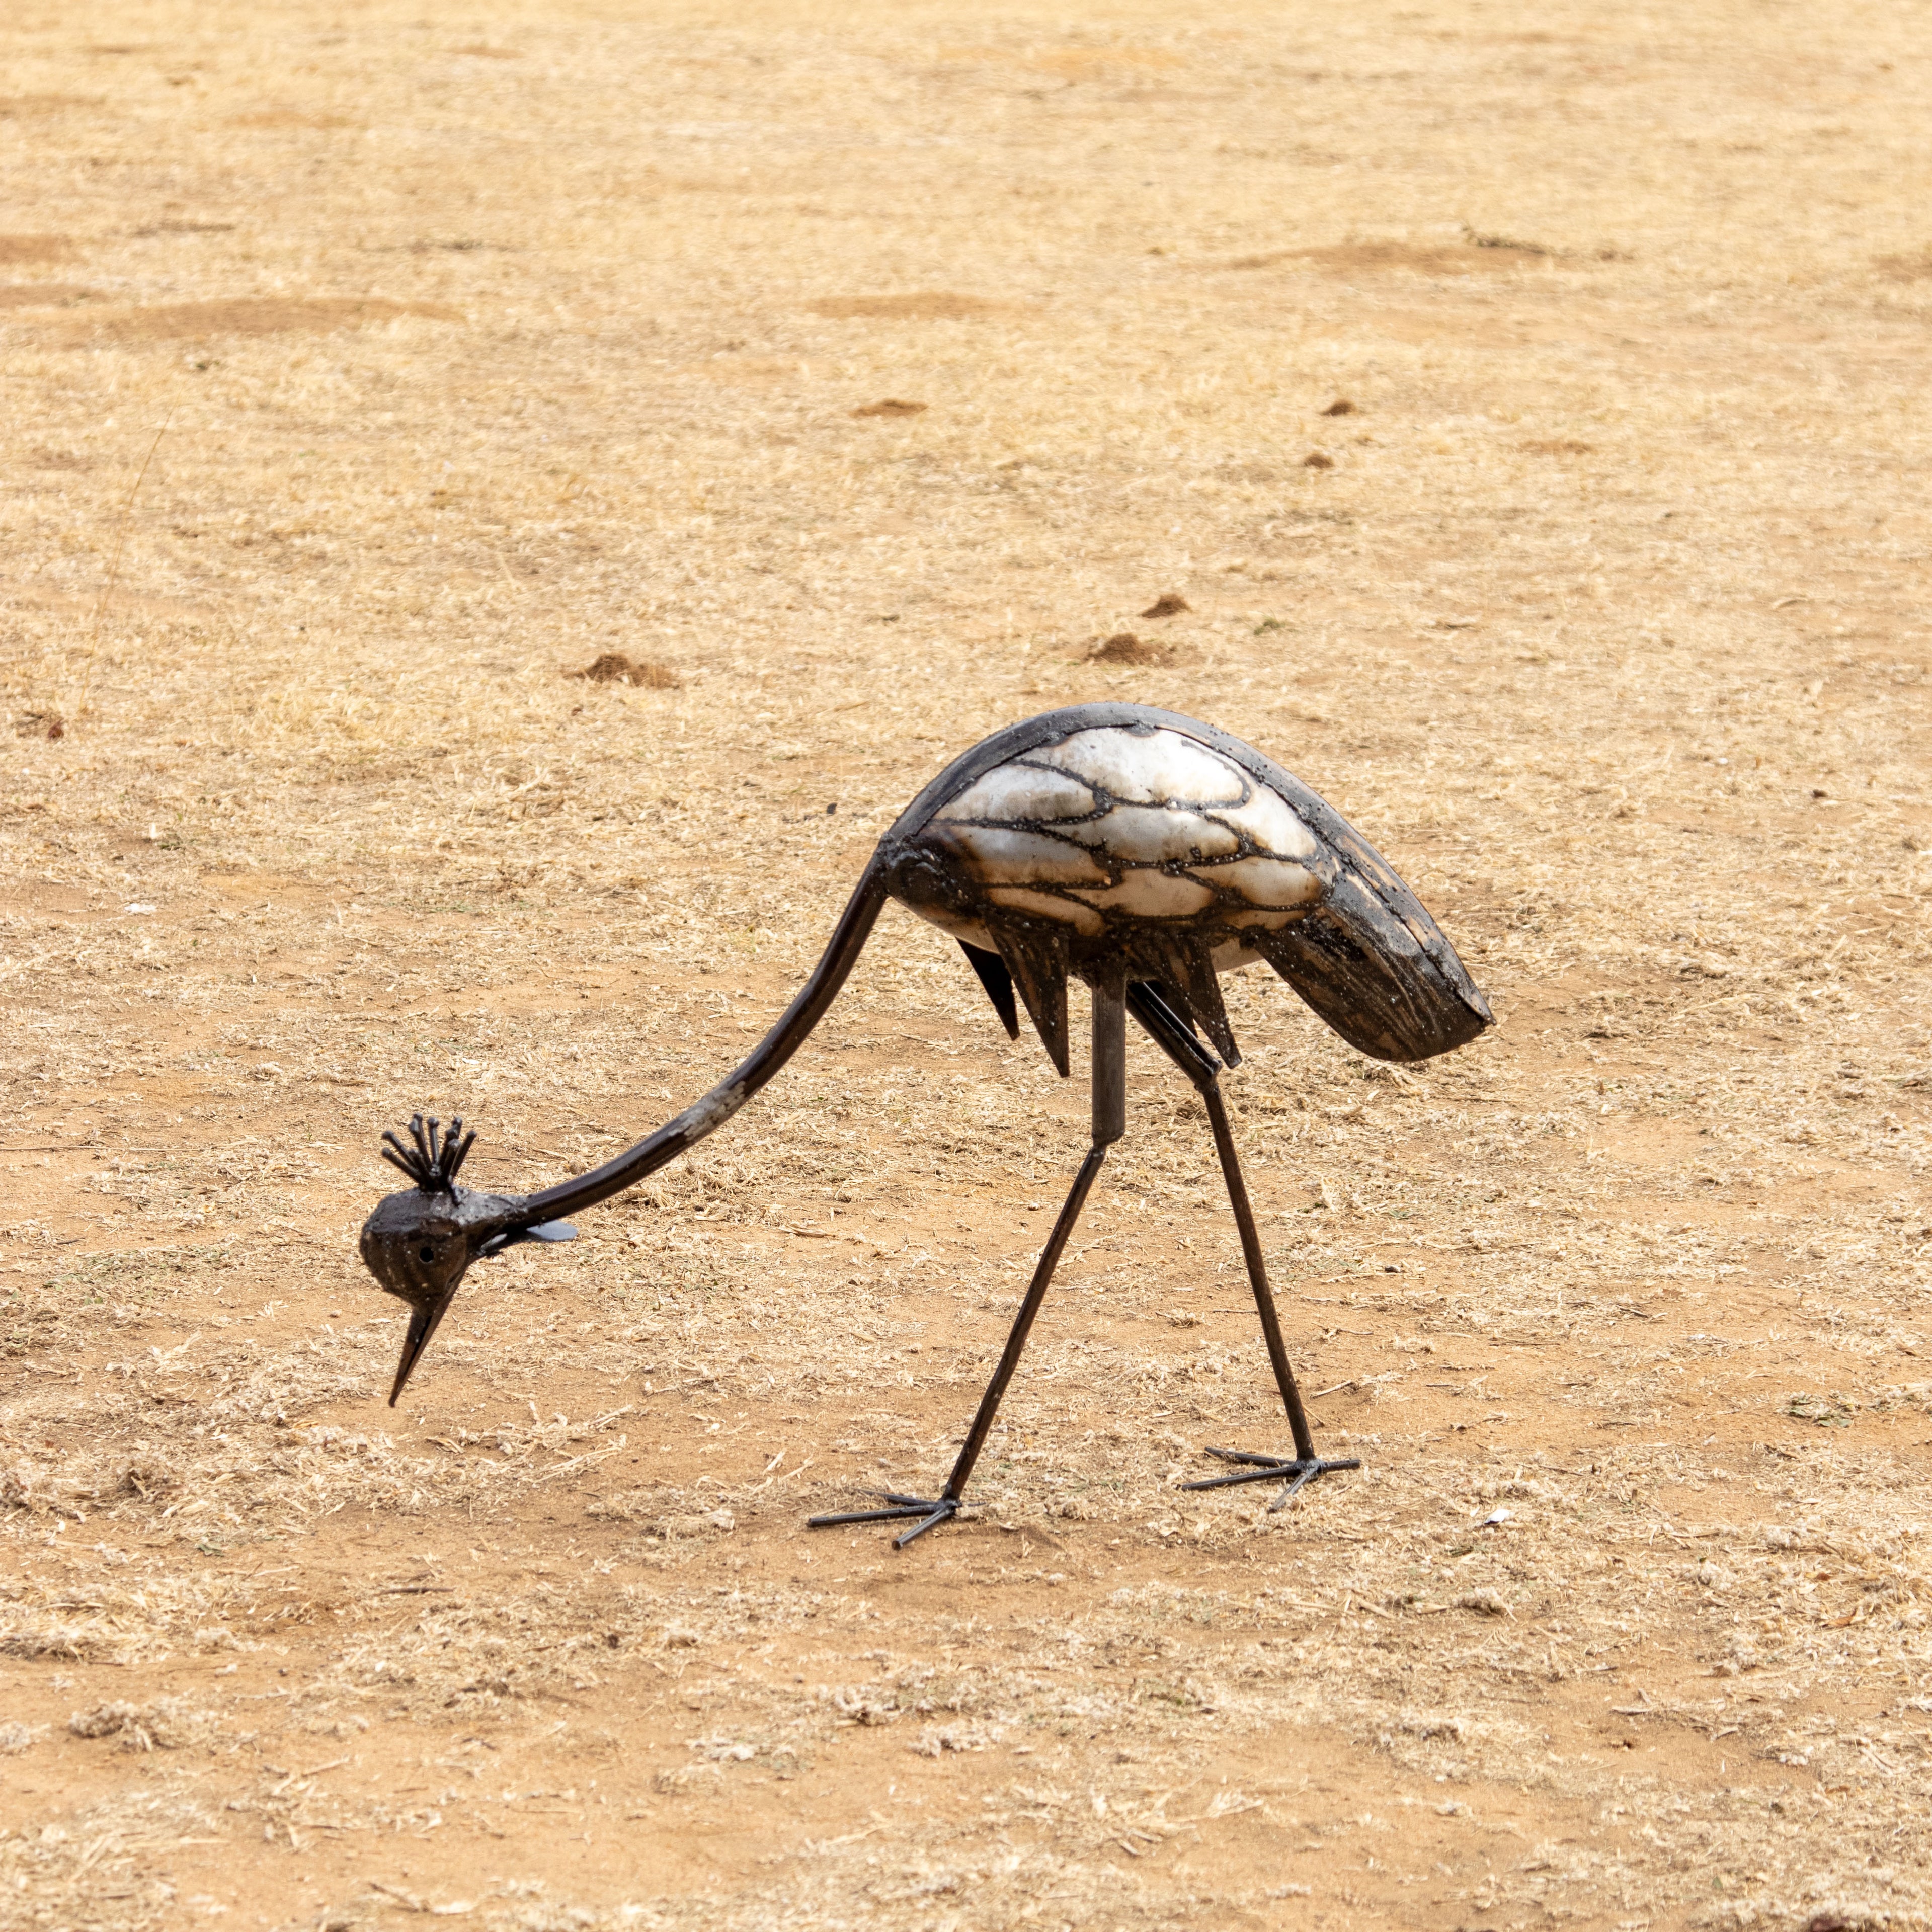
{"points": [[482, 341]]}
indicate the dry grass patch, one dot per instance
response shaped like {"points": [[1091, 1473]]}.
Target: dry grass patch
{"points": [[30, 106], [43, 295], [1472, 257], [262, 315], [36, 248], [935, 307], [614, 667]]}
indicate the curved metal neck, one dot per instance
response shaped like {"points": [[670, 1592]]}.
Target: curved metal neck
{"points": [[848, 938]]}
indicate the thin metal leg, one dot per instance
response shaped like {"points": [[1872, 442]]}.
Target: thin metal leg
{"points": [[1171, 1033], [1177, 1040], [1110, 1056], [1251, 1252], [1016, 1342]]}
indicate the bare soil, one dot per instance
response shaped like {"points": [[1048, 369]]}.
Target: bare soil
{"points": [[370, 374]]}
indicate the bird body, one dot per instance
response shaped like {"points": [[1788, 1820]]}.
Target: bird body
{"points": [[1138, 851], [1119, 838]]}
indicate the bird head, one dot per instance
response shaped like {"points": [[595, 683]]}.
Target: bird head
{"points": [[419, 1244]]}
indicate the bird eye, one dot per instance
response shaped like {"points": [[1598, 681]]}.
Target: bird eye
{"points": [[427, 1254]]}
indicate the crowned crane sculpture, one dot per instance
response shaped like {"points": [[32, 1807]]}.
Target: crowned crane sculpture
{"points": [[1134, 849]]}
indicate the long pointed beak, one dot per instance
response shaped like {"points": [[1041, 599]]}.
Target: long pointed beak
{"points": [[422, 1325]]}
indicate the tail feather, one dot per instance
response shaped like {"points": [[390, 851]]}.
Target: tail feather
{"points": [[1038, 963], [1362, 969], [1204, 995], [998, 983]]}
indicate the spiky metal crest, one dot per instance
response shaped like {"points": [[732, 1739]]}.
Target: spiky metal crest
{"points": [[433, 1162]]}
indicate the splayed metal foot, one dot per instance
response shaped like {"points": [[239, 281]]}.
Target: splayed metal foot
{"points": [[1299, 1472], [930, 1512]]}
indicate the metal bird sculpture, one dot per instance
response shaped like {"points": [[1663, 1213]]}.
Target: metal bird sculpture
{"points": [[1135, 850]]}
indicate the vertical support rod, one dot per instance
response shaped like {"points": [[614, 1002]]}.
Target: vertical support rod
{"points": [[1110, 1058], [1251, 1251]]}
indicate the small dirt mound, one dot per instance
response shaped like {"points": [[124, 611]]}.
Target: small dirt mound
{"points": [[1314, 460], [614, 667], [1124, 648], [1169, 604], [891, 406]]}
